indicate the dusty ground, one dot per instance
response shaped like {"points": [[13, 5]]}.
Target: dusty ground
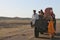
{"points": [[25, 32]]}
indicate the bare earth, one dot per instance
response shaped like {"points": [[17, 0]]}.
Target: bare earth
{"points": [[25, 32]]}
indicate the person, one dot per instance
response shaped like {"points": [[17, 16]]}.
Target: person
{"points": [[40, 14], [38, 25], [51, 30], [54, 19], [34, 17], [41, 21]]}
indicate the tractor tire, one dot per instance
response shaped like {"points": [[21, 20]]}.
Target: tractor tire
{"points": [[36, 32]]}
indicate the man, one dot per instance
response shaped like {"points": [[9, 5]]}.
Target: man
{"points": [[40, 23], [35, 21], [34, 17]]}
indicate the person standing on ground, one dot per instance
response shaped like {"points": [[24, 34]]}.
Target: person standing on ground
{"points": [[34, 17], [51, 30], [54, 19]]}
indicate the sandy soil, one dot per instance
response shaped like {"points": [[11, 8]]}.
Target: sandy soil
{"points": [[25, 32]]}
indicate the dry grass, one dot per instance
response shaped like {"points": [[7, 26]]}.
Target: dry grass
{"points": [[15, 21], [15, 28], [11, 27], [4, 32]]}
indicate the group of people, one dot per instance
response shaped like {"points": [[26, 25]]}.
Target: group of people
{"points": [[47, 18]]}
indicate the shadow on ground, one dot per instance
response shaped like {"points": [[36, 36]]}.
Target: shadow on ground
{"points": [[57, 37], [58, 34]]}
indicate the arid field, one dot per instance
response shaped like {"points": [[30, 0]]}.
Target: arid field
{"points": [[21, 30]]}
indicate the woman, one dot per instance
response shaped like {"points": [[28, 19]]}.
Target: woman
{"points": [[51, 30]]}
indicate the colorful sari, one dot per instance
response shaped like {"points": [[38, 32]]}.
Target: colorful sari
{"points": [[51, 28]]}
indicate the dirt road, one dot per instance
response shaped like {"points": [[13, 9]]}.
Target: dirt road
{"points": [[28, 34]]}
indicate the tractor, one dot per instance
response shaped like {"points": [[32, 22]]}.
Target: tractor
{"points": [[39, 29]]}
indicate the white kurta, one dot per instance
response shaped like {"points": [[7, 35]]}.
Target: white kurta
{"points": [[34, 18]]}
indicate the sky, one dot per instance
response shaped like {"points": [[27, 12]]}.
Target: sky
{"points": [[24, 8]]}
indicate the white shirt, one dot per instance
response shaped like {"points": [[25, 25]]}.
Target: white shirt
{"points": [[34, 18]]}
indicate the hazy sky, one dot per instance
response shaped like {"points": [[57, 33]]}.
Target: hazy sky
{"points": [[24, 8]]}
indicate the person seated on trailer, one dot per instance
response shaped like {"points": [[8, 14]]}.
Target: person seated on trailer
{"points": [[40, 24]]}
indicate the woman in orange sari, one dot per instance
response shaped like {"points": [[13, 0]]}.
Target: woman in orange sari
{"points": [[51, 30]]}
